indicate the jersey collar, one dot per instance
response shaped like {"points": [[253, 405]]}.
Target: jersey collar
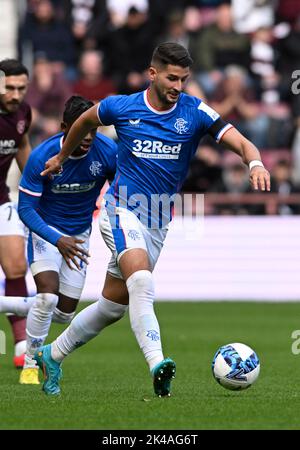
{"points": [[167, 111], [71, 157]]}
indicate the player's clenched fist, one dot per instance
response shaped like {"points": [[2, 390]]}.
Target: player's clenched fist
{"points": [[70, 250], [260, 178]]}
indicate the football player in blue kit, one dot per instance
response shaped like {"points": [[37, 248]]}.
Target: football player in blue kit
{"points": [[159, 131], [58, 212]]}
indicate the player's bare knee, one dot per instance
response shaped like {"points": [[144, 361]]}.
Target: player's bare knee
{"points": [[115, 289], [47, 283], [14, 269], [45, 288], [117, 296], [133, 260]]}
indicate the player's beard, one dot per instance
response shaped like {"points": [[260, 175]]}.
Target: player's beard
{"points": [[9, 107], [162, 96]]}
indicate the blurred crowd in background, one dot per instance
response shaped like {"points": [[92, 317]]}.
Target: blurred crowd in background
{"points": [[244, 52]]}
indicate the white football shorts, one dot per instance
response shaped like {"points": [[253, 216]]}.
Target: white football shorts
{"points": [[44, 256], [10, 223], [130, 233]]}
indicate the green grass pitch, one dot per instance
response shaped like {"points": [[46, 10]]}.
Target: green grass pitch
{"points": [[106, 383]]}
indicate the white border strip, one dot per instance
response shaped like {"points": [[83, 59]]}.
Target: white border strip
{"points": [[223, 131], [27, 191], [155, 110]]}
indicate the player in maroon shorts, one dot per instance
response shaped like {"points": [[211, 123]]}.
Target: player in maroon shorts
{"points": [[15, 119]]}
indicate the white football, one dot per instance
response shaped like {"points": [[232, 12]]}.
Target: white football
{"points": [[235, 366]]}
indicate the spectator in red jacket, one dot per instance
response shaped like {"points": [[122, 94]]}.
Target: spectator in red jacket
{"points": [[92, 84]]}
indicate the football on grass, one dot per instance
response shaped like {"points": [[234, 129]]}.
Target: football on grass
{"points": [[235, 366]]}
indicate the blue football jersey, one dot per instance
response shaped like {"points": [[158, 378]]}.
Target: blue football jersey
{"points": [[155, 147], [67, 201]]}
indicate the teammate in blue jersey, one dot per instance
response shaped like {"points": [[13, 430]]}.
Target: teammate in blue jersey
{"points": [[159, 131], [58, 212]]}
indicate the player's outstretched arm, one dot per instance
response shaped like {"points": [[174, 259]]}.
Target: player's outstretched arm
{"points": [[80, 128], [23, 153], [259, 176]]}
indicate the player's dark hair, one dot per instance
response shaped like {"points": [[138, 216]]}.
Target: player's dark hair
{"points": [[74, 107], [13, 67], [171, 53]]}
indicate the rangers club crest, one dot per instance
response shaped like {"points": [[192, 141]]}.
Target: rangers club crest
{"points": [[180, 126], [153, 335], [133, 234], [21, 126], [95, 168], [40, 246]]}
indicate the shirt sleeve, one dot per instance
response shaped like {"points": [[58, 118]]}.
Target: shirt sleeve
{"points": [[27, 206], [30, 191], [31, 181], [107, 110]]}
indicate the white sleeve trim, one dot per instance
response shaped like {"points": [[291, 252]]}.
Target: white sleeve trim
{"points": [[98, 115], [209, 111], [27, 191], [223, 131]]}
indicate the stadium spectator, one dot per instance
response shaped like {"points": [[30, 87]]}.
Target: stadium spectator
{"points": [[133, 225], [289, 57], [43, 33], [296, 135], [236, 102], [216, 47], [92, 84], [119, 10], [15, 119], [263, 65], [250, 15], [281, 182], [88, 21], [287, 10], [175, 30], [204, 171], [47, 94], [130, 49], [234, 180], [159, 13]]}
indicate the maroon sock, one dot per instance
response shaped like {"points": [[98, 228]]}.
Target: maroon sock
{"points": [[17, 288]]}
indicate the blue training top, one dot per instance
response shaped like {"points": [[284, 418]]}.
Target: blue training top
{"points": [[66, 201]]}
